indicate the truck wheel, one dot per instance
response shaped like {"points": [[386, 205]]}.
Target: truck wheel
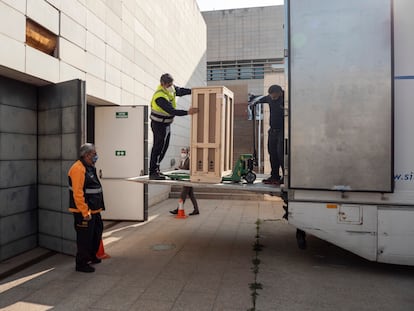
{"points": [[250, 177]]}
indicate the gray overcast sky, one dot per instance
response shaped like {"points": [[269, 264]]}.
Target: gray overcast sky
{"points": [[209, 5]]}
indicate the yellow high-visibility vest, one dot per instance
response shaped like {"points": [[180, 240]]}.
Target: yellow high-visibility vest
{"points": [[161, 92]]}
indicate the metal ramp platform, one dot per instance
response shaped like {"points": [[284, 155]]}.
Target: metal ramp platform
{"points": [[257, 186]]}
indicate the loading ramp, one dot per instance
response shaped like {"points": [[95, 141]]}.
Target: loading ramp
{"points": [[257, 186]]}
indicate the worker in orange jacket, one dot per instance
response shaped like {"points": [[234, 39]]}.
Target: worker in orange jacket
{"points": [[86, 203]]}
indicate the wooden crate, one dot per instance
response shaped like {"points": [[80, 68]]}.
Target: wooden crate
{"points": [[211, 134]]}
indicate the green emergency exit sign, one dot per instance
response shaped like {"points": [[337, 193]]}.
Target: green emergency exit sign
{"points": [[121, 114], [120, 153]]}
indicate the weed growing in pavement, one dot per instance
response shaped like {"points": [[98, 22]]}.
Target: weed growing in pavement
{"points": [[257, 248]]}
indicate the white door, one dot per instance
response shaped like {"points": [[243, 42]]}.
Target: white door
{"points": [[120, 143]]}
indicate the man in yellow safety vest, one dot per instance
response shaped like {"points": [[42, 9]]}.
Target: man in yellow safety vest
{"points": [[163, 111]]}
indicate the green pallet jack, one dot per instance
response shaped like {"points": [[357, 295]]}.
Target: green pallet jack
{"points": [[243, 169]]}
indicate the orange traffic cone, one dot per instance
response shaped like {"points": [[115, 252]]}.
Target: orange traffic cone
{"points": [[181, 212], [101, 252]]}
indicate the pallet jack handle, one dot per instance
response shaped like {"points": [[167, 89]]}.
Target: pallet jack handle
{"points": [[253, 103]]}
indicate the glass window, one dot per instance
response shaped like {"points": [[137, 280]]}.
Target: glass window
{"points": [[230, 74]]}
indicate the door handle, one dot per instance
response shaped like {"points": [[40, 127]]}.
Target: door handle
{"points": [[100, 173]]}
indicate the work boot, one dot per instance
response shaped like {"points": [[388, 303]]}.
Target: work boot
{"points": [[85, 268], [174, 211], [271, 181], [157, 170], [156, 176]]}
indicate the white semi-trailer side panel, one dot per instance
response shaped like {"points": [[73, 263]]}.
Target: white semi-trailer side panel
{"points": [[391, 239], [340, 95]]}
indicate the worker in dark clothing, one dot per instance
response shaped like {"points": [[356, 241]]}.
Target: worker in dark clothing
{"points": [[86, 203], [275, 99], [163, 111], [187, 191]]}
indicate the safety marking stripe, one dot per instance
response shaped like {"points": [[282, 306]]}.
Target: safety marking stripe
{"points": [[404, 77]]}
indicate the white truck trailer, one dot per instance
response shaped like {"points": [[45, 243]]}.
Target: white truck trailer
{"points": [[350, 155]]}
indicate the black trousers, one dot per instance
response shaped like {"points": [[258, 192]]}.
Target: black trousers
{"points": [[161, 133], [275, 148], [189, 191], [88, 237]]}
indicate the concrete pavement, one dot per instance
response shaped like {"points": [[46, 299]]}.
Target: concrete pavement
{"points": [[204, 263]]}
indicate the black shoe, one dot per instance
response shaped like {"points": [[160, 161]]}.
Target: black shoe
{"points": [[95, 261], [86, 269], [195, 212], [174, 211], [271, 181], [156, 176]]}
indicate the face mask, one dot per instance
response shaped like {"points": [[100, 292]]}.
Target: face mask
{"points": [[171, 89], [183, 155], [95, 158]]}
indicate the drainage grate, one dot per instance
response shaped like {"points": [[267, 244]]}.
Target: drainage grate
{"points": [[162, 247]]}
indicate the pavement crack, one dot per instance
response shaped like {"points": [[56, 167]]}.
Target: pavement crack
{"points": [[257, 248]]}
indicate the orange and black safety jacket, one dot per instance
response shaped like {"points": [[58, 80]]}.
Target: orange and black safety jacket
{"points": [[85, 189]]}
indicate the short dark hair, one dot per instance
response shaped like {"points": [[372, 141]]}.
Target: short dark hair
{"points": [[166, 78], [275, 89]]}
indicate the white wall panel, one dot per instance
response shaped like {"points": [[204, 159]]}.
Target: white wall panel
{"points": [[55, 3], [127, 98], [113, 75], [19, 5], [95, 25], [72, 31], [113, 38], [68, 72], [44, 14], [97, 7], [13, 23], [113, 93], [72, 54], [113, 57], [113, 20], [75, 10], [127, 82], [12, 53], [95, 45], [42, 65], [95, 86], [128, 67], [95, 66]]}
